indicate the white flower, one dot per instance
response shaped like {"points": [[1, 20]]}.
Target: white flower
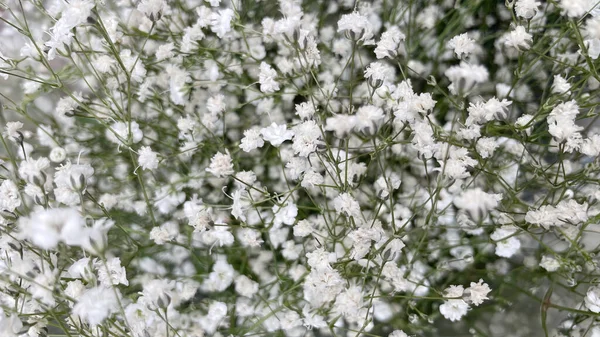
{"points": [[153, 9], [276, 134], [221, 165], [482, 112], [305, 110], [13, 130], [306, 138], [249, 237], [46, 228], [526, 8], [221, 277], [119, 132], [462, 45], [57, 154], [252, 140], [506, 243], [111, 273], [398, 333], [285, 215], [147, 159], [518, 39], [477, 292], [477, 202], [465, 76], [578, 8], [71, 180], [96, 304], [220, 23], [549, 263], [245, 286], [592, 299], [341, 125], [377, 73], [266, 78], [241, 204], [9, 196], [390, 43], [165, 51], [486, 146], [347, 205], [356, 27], [10, 326], [455, 308], [369, 118], [560, 85]]}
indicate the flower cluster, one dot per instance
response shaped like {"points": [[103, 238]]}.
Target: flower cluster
{"points": [[299, 168]]}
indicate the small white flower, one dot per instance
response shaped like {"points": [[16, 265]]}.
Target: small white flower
{"points": [[506, 243], [96, 304], [276, 134], [221, 165], [518, 39], [153, 9], [147, 159], [549, 263], [266, 78], [592, 299], [454, 308], [347, 205], [462, 45], [477, 292], [527, 8]]}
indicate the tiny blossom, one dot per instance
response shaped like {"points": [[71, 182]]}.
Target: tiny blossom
{"points": [[477, 292], [462, 45], [119, 132], [347, 205], [221, 165], [549, 263], [252, 140], [486, 146], [57, 154], [398, 333], [477, 202], [592, 299], [454, 308], [560, 85], [341, 125], [578, 8], [153, 9], [96, 304], [220, 23], [519, 39], [71, 180], [148, 159], [276, 134], [267, 76], [527, 8], [465, 76], [165, 51], [376, 73], [9, 196], [305, 110], [368, 118], [112, 273], [10, 326], [506, 243], [306, 138], [389, 43], [13, 130], [356, 27]]}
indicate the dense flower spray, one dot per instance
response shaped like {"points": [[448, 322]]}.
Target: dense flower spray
{"points": [[299, 168]]}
